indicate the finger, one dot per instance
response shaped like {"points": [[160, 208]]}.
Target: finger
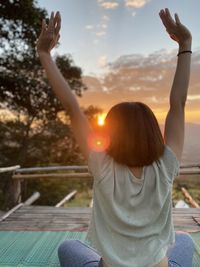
{"points": [[162, 15], [58, 26], [163, 18], [44, 26], [177, 19], [50, 25], [169, 17], [57, 39], [56, 18], [57, 22], [57, 29], [52, 16]]}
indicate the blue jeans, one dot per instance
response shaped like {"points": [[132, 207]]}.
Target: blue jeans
{"points": [[74, 253]]}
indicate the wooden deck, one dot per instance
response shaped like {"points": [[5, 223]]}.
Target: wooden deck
{"points": [[45, 218]]}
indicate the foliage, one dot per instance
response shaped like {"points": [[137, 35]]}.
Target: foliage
{"points": [[35, 135], [61, 187], [23, 87], [20, 24], [49, 144]]}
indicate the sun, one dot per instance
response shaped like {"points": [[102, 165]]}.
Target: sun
{"points": [[101, 119]]}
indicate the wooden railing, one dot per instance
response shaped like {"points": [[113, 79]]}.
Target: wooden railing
{"points": [[65, 172]]}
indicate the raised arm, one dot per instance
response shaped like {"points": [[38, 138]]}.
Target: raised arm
{"points": [[175, 120], [47, 40]]}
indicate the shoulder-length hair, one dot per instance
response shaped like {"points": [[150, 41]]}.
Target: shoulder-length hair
{"points": [[135, 137]]}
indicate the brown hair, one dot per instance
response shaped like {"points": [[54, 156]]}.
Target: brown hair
{"points": [[135, 136]]}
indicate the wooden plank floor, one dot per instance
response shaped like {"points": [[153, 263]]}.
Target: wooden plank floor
{"points": [[45, 218]]}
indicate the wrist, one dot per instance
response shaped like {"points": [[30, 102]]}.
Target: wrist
{"points": [[186, 45], [42, 54]]}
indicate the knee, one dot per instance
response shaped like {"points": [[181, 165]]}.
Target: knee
{"points": [[185, 239], [67, 247]]}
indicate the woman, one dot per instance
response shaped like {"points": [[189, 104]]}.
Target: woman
{"points": [[131, 223]]}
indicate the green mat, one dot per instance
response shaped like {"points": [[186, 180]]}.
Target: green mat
{"points": [[39, 249], [33, 249]]}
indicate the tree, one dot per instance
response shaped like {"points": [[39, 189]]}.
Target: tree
{"points": [[49, 144], [23, 88], [35, 131], [36, 135]]}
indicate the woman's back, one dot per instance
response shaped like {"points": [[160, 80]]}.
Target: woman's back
{"points": [[131, 221]]}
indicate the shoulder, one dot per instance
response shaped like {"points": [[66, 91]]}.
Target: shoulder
{"points": [[170, 157], [169, 163], [98, 163]]}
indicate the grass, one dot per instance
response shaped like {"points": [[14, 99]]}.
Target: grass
{"points": [[82, 199], [191, 183]]}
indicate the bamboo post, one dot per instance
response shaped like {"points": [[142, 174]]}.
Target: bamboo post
{"points": [[53, 168], [16, 197], [193, 203], [52, 175], [29, 201], [9, 169], [65, 199], [32, 199], [91, 203], [7, 214]]}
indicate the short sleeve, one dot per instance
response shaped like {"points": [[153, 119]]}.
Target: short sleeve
{"points": [[98, 163], [170, 163]]}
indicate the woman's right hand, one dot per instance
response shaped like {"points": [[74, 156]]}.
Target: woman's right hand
{"points": [[177, 31], [49, 35]]}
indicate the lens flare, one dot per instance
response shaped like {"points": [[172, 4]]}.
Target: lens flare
{"points": [[98, 142]]}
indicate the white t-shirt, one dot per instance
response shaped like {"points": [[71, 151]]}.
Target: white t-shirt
{"points": [[131, 223]]}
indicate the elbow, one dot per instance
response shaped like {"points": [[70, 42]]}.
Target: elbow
{"points": [[181, 102], [179, 105]]}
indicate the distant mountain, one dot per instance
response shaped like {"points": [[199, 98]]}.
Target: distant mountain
{"points": [[191, 151]]}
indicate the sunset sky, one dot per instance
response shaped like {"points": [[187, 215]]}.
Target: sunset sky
{"points": [[124, 51]]}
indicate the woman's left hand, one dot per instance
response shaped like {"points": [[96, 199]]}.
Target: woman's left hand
{"points": [[49, 35], [177, 31]]}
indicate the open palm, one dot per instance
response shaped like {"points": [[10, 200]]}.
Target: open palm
{"points": [[49, 35], [177, 31]]}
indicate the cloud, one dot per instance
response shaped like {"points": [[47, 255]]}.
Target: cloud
{"points": [[89, 27], [95, 42], [101, 33], [104, 26], [193, 97], [102, 62], [108, 5], [136, 3], [105, 18], [99, 29], [147, 79]]}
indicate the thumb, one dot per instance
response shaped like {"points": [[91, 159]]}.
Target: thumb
{"points": [[177, 19], [43, 26], [58, 38]]}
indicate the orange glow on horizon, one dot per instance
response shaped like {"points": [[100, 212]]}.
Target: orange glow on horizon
{"points": [[191, 116]]}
